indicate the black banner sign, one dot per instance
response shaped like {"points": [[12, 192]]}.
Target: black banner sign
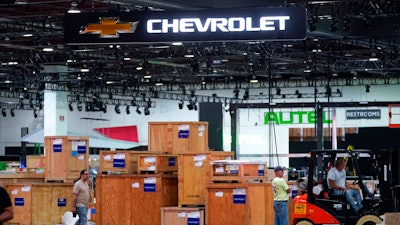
{"points": [[363, 114], [248, 24]]}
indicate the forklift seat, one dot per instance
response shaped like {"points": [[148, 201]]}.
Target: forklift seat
{"points": [[340, 197]]}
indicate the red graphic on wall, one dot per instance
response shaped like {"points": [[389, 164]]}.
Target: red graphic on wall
{"points": [[125, 133]]}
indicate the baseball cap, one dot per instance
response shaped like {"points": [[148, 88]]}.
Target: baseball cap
{"points": [[279, 168]]}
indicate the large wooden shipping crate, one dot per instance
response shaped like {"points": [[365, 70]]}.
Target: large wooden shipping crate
{"points": [[66, 156], [35, 161], [238, 170], [182, 216], [120, 161], [194, 174], [157, 163], [240, 203], [50, 201], [21, 198], [134, 199], [178, 137]]}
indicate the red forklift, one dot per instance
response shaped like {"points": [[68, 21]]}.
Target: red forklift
{"points": [[311, 208]]}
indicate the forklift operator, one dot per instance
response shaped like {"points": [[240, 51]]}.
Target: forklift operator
{"points": [[337, 182]]}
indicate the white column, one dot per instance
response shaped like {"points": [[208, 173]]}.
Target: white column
{"points": [[55, 111]]}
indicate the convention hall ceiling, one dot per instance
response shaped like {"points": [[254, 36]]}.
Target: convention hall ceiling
{"points": [[348, 42]]}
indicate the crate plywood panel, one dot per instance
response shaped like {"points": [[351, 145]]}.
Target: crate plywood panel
{"points": [[178, 137], [157, 163], [112, 201], [148, 194], [23, 208], [179, 215], [47, 198], [160, 137], [56, 162], [220, 208], [256, 210], [35, 161], [66, 156], [197, 140], [131, 161], [193, 175]]}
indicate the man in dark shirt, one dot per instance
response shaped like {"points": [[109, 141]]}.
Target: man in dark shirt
{"points": [[6, 209]]}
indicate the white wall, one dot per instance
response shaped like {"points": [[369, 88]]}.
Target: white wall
{"points": [[251, 120]]}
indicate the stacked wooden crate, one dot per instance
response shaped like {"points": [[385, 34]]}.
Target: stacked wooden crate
{"points": [[65, 156], [39, 203]]}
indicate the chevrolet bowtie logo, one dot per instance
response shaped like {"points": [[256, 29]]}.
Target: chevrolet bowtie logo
{"points": [[110, 28]]}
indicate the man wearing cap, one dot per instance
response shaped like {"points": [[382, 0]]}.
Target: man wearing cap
{"points": [[281, 196]]}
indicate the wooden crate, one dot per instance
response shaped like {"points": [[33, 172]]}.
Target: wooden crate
{"points": [[21, 198], [120, 162], [35, 161], [134, 198], [178, 137], [194, 174], [66, 156], [182, 216], [238, 170], [241, 203], [50, 201], [157, 163], [21, 178]]}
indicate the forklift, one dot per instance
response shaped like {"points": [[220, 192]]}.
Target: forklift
{"points": [[317, 208]]}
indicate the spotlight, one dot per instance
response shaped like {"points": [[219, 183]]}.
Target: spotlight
{"points": [[79, 106], [138, 111], [116, 108], [31, 103], [190, 105], [181, 105], [104, 108], [3, 112], [128, 111], [236, 93], [367, 87], [12, 112], [328, 91], [74, 7], [246, 94], [146, 111], [70, 107]]}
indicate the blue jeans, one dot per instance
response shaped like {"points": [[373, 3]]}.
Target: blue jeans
{"points": [[281, 213], [82, 213], [353, 197]]}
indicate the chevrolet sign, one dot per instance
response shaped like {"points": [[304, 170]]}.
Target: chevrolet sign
{"points": [[249, 24]]}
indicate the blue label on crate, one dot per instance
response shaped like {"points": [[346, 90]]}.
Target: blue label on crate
{"points": [[62, 202], [260, 172], [183, 134], [234, 172], [193, 221], [149, 187], [19, 202], [239, 199], [171, 161], [119, 163], [93, 211], [57, 147], [81, 149]]}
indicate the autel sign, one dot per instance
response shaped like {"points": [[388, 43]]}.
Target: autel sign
{"points": [[234, 24], [247, 24], [294, 117]]}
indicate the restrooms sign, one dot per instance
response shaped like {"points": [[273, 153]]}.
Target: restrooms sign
{"points": [[248, 24]]}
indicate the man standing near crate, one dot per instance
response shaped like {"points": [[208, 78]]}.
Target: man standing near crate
{"points": [[81, 192], [281, 196], [6, 209]]}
